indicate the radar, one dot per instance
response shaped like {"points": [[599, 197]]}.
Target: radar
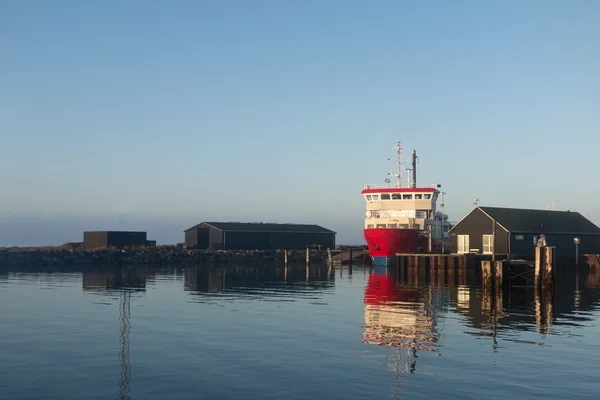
{"points": [[387, 180]]}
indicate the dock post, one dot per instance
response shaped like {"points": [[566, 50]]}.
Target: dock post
{"points": [[499, 278], [402, 267], [285, 258], [307, 256], [487, 282], [486, 272], [498, 274], [548, 280], [451, 270], [329, 257], [350, 256], [462, 266], [538, 265]]}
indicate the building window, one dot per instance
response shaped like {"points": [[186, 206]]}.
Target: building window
{"points": [[488, 245], [463, 243], [385, 196], [418, 197], [396, 196]]}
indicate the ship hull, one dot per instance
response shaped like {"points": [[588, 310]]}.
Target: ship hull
{"points": [[385, 243]]}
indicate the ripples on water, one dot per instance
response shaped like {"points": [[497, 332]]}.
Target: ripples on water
{"points": [[260, 332]]}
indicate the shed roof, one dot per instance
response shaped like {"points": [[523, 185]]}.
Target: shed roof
{"points": [[544, 221], [263, 227]]}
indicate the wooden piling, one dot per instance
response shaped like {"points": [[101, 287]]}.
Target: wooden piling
{"points": [[538, 266], [307, 256], [487, 282], [544, 266], [486, 272], [498, 274], [350, 256], [548, 281], [285, 257], [329, 258]]}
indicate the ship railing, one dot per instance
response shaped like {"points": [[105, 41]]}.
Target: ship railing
{"points": [[379, 186]]}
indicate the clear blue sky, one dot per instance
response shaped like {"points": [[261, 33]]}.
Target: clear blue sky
{"points": [[156, 115]]}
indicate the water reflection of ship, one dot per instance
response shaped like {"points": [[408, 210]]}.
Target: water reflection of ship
{"points": [[248, 279], [398, 316], [125, 282]]}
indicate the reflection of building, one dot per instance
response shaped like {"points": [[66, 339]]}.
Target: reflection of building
{"points": [[123, 281], [263, 280], [396, 316], [115, 279], [257, 236]]}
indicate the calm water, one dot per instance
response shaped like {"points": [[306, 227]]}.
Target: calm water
{"points": [[254, 333]]}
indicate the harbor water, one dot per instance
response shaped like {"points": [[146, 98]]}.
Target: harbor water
{"points": [[264, 332]]}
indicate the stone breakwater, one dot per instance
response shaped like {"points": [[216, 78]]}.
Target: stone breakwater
{"points": [[149, 257]]}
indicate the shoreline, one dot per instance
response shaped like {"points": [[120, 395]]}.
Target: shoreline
{"points": [[11, 257]]}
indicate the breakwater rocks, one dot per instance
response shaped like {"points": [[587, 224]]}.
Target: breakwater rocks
{"points": [[15, 257]]}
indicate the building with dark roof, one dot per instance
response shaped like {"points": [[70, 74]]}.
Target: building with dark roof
{"points": [[118, 239], [517, 230], [257, 236]]}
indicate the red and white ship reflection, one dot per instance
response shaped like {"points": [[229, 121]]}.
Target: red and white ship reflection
{"points": [[398, 316]]}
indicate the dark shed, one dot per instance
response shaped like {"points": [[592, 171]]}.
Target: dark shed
{"points": [[257, 236], [518, 229], [119, 239]]}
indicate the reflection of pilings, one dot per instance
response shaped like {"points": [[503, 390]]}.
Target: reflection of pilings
{"points": [[125, 381], [544, 309], [462, 273]]}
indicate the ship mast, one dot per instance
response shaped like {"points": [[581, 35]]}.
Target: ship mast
{"points": [[414, 168], [399, 148]]}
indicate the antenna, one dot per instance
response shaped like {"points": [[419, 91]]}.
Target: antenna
{"points": [[408, 179], [476, 201], [399, 148]]}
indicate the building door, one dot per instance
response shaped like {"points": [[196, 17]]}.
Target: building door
{"points": [[463, 243], [202, 241]]}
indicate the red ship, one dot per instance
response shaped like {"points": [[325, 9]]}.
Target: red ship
{"points": [[404, 219]]}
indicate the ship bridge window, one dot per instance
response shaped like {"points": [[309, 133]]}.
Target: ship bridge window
{"points": [[368, 197], [407, 196], [427, 196], [381, 225], [418, 196], [375, 197], [396, 196], [385, 196]]}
